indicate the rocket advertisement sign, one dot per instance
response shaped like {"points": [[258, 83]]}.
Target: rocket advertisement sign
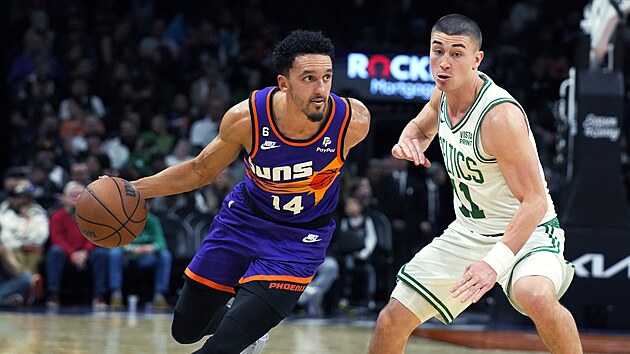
{"points": [[382, 77]]}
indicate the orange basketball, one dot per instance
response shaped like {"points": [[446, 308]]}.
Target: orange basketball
{"points": [[111, 212]]}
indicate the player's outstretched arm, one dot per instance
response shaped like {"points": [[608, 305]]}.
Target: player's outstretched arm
{"points": [[419, 133], [359, 125], [234, 133]]}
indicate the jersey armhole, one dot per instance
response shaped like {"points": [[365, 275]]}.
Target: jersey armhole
{"points": [[344, 130], [253, 114], [481, 154]]}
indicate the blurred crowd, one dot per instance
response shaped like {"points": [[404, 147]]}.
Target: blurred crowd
{"points": [[127, 88]]}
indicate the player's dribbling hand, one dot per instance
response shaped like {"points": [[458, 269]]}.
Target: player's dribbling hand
{"points": [[410, 149], [477, 280]]}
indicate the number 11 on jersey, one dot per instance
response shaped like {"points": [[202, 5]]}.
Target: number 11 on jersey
{"points": [[475, 212]]}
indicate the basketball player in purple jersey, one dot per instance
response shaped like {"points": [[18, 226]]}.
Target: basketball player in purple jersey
{"points": [[273, 228]]}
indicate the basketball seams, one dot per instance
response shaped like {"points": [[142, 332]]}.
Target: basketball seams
{"points": [[134, 212], [124, 230], [115, 232], [138, 199], [95, 223], [102, 204], [122, 203], [122, 199]]}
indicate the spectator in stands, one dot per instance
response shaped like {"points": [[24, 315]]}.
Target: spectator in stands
{"points": [[47, 137], [12, 177], [119, 146], [40, 25], [148, 250], [80, 172], [14, 283], [208, 198], [68, 243], [44, 190], [57, 174], [158, 138], [80, 96], [179, 116], [402, 197], [210, 84], [98, 165], [313, 296], [157, 39], [24, 226], [355, 241], [439, 202], [204, 129], [364, 192], [375, 171], [24, 63], [181, 153], [35, 99], [253, 79]]}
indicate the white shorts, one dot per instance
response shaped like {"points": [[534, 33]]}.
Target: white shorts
{"points": [[433, 271]]}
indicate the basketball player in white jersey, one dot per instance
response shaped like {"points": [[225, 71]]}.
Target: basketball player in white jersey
{"points": [[506, 229]]}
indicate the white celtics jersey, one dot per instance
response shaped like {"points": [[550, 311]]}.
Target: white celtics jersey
{"points": [[483, 202]]}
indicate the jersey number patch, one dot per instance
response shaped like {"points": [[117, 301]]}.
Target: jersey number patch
{"points": [[475, 212], [294, 205]]}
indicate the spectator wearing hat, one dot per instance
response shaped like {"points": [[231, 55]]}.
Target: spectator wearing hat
{"points": [[24, 226], [12, 177]]}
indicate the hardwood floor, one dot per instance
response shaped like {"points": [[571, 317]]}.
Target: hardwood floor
{"points": [[120, 332]]}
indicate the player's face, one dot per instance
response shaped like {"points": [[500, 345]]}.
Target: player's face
{"points": [[454, 60], [308, 84]]}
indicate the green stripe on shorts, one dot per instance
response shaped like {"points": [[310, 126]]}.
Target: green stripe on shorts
{"points": [[554, 248], [426, 294]]}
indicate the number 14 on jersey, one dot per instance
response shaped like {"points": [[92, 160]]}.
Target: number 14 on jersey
{"points": [[294, 205]]}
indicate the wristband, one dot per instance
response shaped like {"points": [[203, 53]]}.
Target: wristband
{"points": [[499, 257]]}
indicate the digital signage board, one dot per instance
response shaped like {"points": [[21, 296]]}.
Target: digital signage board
{"points": [[384, 77]]}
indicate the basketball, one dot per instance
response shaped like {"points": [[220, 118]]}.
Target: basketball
{"points": [[111, 212]]}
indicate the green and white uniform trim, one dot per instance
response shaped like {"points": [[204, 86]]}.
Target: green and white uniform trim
{"points": [[483, 202], [443, 312], [484, 206], [424, 283]]}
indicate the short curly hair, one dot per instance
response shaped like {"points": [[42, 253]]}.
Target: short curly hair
{"points": [[300, 42]]}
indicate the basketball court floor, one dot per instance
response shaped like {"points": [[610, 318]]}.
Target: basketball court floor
{"points": [[79, 330]]}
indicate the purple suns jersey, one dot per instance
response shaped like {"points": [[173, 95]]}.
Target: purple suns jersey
{"points": [[295, 181], [275, 225]]}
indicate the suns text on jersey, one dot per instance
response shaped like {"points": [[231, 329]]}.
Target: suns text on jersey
{"points": [[283, 173]]}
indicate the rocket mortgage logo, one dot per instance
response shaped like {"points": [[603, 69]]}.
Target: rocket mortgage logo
{"points": [[398, 77]]}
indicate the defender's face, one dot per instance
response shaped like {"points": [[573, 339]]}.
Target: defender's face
{"points": [[308, 83], [454, 60]]}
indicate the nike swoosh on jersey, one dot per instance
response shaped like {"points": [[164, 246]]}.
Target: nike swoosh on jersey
{"points": [[268, 145], [310, 238]]}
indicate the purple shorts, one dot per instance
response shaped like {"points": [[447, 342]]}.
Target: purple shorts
{"points": [[243, 247]]}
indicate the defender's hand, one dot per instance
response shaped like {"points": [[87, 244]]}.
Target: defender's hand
{"points": [[410, 149], [477, 280]]}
